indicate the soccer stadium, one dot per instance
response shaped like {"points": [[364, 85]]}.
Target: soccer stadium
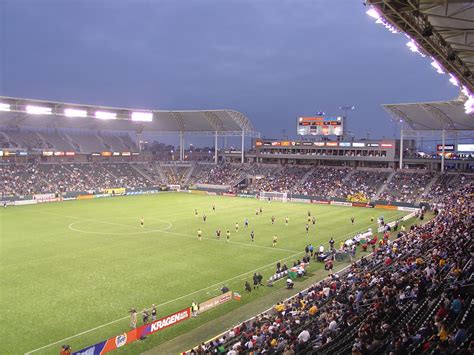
{"points": [[188, 231]]}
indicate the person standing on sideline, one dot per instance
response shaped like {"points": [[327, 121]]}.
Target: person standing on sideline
{"points": [[255, 281], [133, 318], [145, 316], [194, 308], [331, 243], [153, 312]]}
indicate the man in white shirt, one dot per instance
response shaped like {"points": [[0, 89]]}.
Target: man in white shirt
{"points": [[304, 336]]}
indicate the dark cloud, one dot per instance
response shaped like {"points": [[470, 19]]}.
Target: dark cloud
{"points": [[272, 60]]}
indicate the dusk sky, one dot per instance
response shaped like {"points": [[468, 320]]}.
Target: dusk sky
{"points": [[272, 60]]}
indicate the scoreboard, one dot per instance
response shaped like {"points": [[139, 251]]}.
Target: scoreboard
{"points": [[320, 126]]}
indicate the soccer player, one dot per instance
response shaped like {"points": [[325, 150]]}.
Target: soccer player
{"points": [[286, 221], [275, 239], [256, 212], [313, 220], [309, 219], [214, 208], [273, 219], [309, 213], [307, 228], [261, 211], [142, 222], [252, 235], [199, 234], [246, 222], [236, 227], [372, 219], [227, 234], [218, 234], [196, 212], [204, 217], [352, 220]]}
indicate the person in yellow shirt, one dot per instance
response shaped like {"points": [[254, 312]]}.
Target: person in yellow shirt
{"points": [[313, 310], [443, 333]]}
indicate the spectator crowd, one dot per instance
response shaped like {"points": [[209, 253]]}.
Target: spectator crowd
{"points": [[412, 295]]}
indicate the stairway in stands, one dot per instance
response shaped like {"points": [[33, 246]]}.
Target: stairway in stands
{"points": [[384, 186]]}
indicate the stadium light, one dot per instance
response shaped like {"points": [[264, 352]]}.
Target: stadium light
{"points": [[414, 48], [103, 115], [372, 12], [38, 110], [4, 107], [72, 112], [437, 66], [142, 116], [453, 80]]}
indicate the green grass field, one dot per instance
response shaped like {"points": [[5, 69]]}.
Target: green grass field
{"points": [[70, 271]]}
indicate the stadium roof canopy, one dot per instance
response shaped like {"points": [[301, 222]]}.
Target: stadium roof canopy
{"points": [[432, 116], [16, 112], [444, 29]]}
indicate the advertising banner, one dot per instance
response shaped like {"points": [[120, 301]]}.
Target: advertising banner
{"points": [[246, 195], [386, 207], [337, 203], [303, 200], [25, 202], [228, 194], [135, 334], [95, 349], [164, 322], [85, 197], [214, 302], [321, 202], [409, 209], [40, 197], [115, 191], [358, 204]]}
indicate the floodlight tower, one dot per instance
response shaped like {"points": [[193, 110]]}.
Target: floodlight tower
{"points": [[346, 109]]}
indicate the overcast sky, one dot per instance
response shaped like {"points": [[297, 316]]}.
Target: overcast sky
{"points": [[272, 60]]}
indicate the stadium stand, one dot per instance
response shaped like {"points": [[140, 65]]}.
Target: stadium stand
{"points": [[322, 180], [281, 179], [361, 183], [65, 141], [412, 295], [407, 186], [222, 174]]}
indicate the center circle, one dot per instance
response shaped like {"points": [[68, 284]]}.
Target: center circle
{"points": [[133, 229]]}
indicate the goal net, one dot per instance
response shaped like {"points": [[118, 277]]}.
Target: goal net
{"points": [[279, 196], [174, 187]]}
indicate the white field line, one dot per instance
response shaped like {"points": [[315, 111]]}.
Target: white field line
{"points": [[160, 305], [170, 301]]}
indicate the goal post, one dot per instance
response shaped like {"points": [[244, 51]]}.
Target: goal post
{"points": [[174, 187], [271, 195]]}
